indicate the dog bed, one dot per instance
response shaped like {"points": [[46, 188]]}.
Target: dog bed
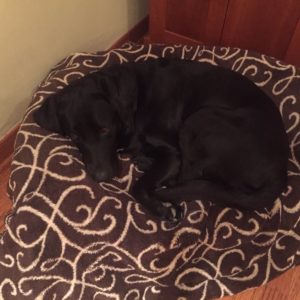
{"points": [[68, 237]]}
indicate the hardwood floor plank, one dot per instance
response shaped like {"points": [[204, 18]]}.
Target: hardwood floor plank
{"points": [[294, 290]]}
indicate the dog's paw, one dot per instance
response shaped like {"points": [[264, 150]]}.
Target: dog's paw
{"points": [[166, 211], [170, 212]]}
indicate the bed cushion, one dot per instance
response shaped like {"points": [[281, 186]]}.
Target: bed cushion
{"points": [[68, 237]]}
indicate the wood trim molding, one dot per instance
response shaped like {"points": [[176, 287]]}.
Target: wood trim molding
{"points": [[292, 54], [135, 34], [173, 38], [7, 146]]}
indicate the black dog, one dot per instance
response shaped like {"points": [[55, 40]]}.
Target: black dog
{"points": [[197, 130]]}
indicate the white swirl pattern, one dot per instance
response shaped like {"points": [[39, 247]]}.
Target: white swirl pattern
{"points": [[70, 238]]}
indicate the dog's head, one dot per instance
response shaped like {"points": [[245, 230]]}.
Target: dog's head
{"points": [[94, 112]]}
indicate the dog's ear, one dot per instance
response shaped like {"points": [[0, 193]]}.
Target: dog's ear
{"points": [[121, 87], [47, 116]]}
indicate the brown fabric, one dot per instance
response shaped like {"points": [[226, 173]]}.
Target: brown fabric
{"points": [[70, 238]]}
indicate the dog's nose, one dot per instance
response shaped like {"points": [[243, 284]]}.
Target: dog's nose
{"points": [[100, 175]]}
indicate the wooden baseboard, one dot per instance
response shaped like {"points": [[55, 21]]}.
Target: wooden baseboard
{"points": [[135, 34], [7, 146]]}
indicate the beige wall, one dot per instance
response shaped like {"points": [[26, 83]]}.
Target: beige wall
{"points": [[36, 34]]}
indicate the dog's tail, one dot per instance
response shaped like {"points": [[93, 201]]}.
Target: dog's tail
{"points": [[224, 196]]}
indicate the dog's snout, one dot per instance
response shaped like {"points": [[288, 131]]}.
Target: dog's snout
{"points": [[102, 172], [101, 175]]}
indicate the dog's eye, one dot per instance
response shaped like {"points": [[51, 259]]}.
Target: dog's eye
{"points": [[103, 130]]}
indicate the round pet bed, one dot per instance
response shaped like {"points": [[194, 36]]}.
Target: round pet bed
{"points": [[68, 237]]}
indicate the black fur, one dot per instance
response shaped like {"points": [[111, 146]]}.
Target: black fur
{"points": [[204, 132]]}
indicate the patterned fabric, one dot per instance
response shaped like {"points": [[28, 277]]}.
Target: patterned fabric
{"points": [[71, 238]]}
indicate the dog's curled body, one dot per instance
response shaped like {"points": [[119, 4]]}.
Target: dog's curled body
{"points": [[198, 131]]}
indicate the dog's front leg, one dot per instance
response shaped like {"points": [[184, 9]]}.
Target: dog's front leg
{"points": [[165, 167]]}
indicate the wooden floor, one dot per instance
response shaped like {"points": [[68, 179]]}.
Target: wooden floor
{"points": [[285, 287], [5, 203]]}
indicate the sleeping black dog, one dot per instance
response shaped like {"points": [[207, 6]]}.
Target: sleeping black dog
{"points": [[196, 130]]}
